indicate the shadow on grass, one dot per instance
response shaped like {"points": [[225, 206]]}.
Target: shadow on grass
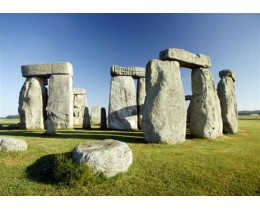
{"points": [[93, 134], [90, 134], [41, 170]]}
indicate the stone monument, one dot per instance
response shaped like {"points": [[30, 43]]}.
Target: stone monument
{"points": [[95, 115], [33, 95], [80, 102], [164, 113], [122, 113], [227, 96]]}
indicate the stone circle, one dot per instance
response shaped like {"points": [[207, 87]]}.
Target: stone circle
{"points": [[12, 145], [109, 156]]}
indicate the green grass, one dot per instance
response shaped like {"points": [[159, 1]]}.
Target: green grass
{"points": [[249, 117], [229, 165], [6, 121]]}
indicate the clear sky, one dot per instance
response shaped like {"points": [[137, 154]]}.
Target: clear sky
{"points": [[94, 42]]}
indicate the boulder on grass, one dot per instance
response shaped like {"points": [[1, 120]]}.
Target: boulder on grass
{"points": [[12, 145], [109, 157]]}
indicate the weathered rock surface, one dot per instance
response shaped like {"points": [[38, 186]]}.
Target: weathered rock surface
{"points": [[60, 102], [109, 157], [80, 102], [12, 145], [227, 73], [32, 103], [185, 58], [164, 113], [50, 127], [122, 114], [205, 112], [227, 97], [95, 115], [135, 72], [86, 119], [45, 70], [103, 118], [141, 93]]}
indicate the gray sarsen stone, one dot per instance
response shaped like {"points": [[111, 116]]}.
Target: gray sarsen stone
{"points": [[205, 112], [109, 157], [164, 113], [122, 114]]}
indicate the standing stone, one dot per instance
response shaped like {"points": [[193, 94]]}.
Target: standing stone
{"points": [[79, 106], [60, 101], [122, 114], [86, 119], [164, 113], [95, 115], [50, 127], [205, 112], [140, 100], [32, 103], [103, 118], [227, 97]]}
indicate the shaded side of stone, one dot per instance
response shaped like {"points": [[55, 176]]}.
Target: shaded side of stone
{"points": [[164, 113], [122, 114], [140, 100], [86, 119], [103, 118], [205, 112]]}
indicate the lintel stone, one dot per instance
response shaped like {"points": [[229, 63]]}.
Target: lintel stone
{"points": [[45, 70], [185, 58], [79, 91], [134, 71]]}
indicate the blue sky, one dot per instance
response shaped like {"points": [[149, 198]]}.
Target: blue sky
{"points": [[94, 42]]}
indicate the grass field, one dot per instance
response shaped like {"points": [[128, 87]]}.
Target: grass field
{"points": [[229, 165]]}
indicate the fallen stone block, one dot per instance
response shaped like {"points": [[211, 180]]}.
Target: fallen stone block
{"points": [[12, 144], [109, 157]]}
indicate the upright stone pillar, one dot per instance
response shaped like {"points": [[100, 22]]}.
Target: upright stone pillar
{"points": [[79, 106], [86, 119], [227, 96], [60, 102], [32, 103], [164, 113], [122, 114], [140, 100], [103, 118], [205, 112], [95, 115]]}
